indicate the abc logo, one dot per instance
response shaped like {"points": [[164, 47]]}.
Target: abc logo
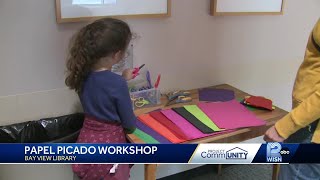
{"points": [[284, 151]]}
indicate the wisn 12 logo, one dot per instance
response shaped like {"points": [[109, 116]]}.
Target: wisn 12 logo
{"points": [[275, 152]]}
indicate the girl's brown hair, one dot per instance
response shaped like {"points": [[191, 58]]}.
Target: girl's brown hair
{"points": [[93, 42]]}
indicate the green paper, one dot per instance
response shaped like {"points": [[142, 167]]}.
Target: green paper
{"points": [[201, 116], [250, 108], [145, 137]]}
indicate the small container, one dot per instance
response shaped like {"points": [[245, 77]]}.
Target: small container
{"points": [[145, 98]]}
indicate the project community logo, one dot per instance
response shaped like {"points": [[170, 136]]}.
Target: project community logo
{"points": [[275, 152], [235, 153]]}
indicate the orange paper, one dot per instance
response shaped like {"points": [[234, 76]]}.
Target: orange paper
{"points": [[158, 127]]}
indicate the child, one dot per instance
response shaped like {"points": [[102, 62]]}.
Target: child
{"points": [[104, 95]]}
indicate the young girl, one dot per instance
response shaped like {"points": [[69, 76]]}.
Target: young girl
{"points": [[104, 95]]}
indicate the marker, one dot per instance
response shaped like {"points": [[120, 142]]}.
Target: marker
{"points": [[141, 66], [157, 82], [149, 80], [136, 71]]}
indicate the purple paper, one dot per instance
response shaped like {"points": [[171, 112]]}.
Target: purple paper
{"points": [[230, 115], [216, 95], [152, 133]]}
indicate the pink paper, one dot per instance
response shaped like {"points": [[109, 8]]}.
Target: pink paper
{"points": [[230, 115], [186, 127]]}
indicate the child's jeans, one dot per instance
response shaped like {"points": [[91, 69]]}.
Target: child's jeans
{"points": [[301, 171]]}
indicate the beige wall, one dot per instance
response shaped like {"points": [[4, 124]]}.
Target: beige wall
{"points": [[259, 54]]}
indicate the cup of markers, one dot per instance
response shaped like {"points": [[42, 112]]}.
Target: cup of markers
{"points": [[146, 95]]}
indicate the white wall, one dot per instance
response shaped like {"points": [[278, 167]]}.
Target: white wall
{"points": [[32, 47], [259, 54]]}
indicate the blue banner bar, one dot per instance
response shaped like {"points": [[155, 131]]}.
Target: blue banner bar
{"points": [[272, 153], [95, 153]]}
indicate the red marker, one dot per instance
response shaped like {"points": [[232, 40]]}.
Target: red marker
{"points": [[157, 82]]}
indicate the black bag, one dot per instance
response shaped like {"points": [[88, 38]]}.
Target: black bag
{"points": [[64, 129], [33, 132]]}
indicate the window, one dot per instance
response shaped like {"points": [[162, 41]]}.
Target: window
{"points": [[93, 2]]}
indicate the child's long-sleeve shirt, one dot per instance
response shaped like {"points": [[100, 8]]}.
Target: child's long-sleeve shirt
{"points": [[306, 92], [105, 96]]}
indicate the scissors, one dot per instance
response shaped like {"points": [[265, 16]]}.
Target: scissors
{"points": [[175, 94], [132, 89], [143, 88], [140, 101], [179, 99]]}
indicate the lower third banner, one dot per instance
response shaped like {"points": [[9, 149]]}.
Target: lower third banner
{"points": [[274, 153]]}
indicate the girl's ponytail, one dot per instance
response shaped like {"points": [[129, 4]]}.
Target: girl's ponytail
{"points": [[95, 41]]}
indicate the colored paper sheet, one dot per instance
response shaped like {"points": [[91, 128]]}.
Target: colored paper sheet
{"points": [[187, 127], [152, 133], [196, 111], [145, 137], [216, 95], [158, 127], [248, 107], [260, 102], [193, 120], [168, 124], [230, 115]]}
